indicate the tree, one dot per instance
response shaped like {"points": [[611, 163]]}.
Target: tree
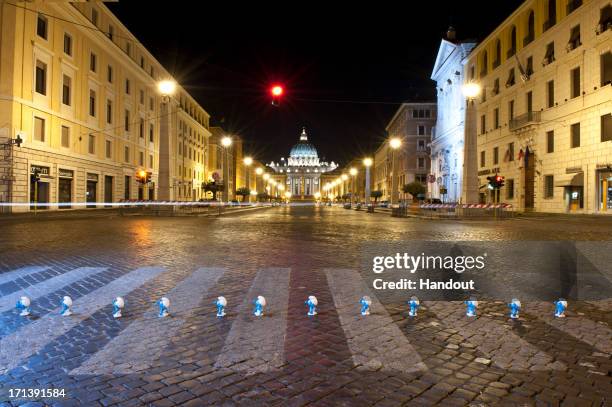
{"points": [[263, 196], [212, 187], [416, 189], [243, 192], [376, 194]]}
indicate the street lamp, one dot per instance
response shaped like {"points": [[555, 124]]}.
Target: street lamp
{"points": [[367, 162], [471, 90], [166, 186], [395, 144], [166, 88], [247, 163], [353, 172], [226, 142]]}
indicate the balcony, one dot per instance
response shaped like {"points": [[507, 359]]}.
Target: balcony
{"points": [[573, 5], [524, 120]]}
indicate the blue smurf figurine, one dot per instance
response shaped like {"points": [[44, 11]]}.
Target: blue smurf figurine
{"points": [[560, 307], [472, 304], [260, 303], [221, 303], [365, 302], [66, 304], [515, 308], [414, 306], [23, 305], [118, 305], [164, 304], [312, 305]]}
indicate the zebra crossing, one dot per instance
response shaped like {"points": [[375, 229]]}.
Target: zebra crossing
{"points": [[257, 344]]}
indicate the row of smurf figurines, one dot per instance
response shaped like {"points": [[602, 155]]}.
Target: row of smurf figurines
{"points": [[24, 306]]}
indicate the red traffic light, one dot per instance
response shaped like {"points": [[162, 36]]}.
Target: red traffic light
{"points": [[498, 178], [277, 90]]}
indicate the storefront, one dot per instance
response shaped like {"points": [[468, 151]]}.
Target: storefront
{"points": [[604, 188], [573, 189], [64, 188], [91, 192], [108, 189], [39, 191]]}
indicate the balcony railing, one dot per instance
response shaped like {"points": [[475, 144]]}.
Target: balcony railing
{"points": [[524, 120]]}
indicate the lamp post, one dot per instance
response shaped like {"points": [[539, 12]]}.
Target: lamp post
{"points": [[353, 172], [166, 190], [395, 143], [367, 162], [247, 164], [470, 165], [226, 142], [343, 179]]}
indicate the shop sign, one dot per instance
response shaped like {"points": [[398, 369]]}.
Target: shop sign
{"points": [[573, 170], [65, 173], [41, 170], [92, 177]]}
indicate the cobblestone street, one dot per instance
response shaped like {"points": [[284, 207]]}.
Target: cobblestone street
{"points": [[285, 358]]}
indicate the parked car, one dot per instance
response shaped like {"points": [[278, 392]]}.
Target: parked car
{"points": [[383, 204]]}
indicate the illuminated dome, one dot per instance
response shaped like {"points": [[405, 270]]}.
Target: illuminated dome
{"points": [[303, 149]]}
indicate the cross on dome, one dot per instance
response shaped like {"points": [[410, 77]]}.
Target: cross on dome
{"points": [[303, 136]]}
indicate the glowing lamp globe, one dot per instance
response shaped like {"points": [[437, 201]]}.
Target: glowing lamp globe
{"points": [[471, 90], [277, 90]]}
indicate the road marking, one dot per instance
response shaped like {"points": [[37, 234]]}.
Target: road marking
{"points": [[31, 338], [47, 286], [597, 335], [375, 341], [256, 344], [19, 273], [143, 341], [493, 338]]}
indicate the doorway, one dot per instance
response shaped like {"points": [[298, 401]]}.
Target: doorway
{"points": [[39, 195], [529, 179], [91, 193], [108, 190]]}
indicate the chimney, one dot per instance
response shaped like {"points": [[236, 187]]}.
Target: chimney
{"points": [[451, 34]]}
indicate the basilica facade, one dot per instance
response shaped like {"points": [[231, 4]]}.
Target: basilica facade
{"points": [[301, 172]]}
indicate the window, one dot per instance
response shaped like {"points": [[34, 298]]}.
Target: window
{"points": [[427, 113], [529, 101], [93, 62], [67, 44], [151, 132], [605, 19], [549, 187], [66, 90], [550, 93], [65, 136], [421, 162], [552, 15], [109, 149], [549, 57], [142, 63], [512, 49], [530, 29], [421, 130], [109, 74], [127, 86], [92, 103], [482, 159], [574, 41], [39, 129], [111, 32], [150, 160], [483, 123], [573, 5], [575, 82], [606, 68], [421, 145], [42, 25], [141, 128], [92, 144], [529, 70], [109, 111], [575, 135], [41, 78], [94, 17], [495, 155], [550, 141], [496, 118], [510, 151], [128, 48], [126, 154], [509, 189], [127, 120], [484, 64], [141, 158], [511, 109], [141, 97], [472, 72], [606, 127], [152, 72], [151, 103], [497, 60]]}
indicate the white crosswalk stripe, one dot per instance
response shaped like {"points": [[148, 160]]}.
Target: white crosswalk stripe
{"points": [[256, 344], [493, 338], [597, 335], [392, 350], [143, 341], [31, 338], [48, 286], [19, 273]]}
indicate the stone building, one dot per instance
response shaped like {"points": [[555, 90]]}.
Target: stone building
{"points": [[543, 116]]}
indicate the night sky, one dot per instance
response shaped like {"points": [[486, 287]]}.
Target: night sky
{"points": [[345, 69]]}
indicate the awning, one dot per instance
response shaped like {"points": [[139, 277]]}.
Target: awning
{"points": [[570, 180]]}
